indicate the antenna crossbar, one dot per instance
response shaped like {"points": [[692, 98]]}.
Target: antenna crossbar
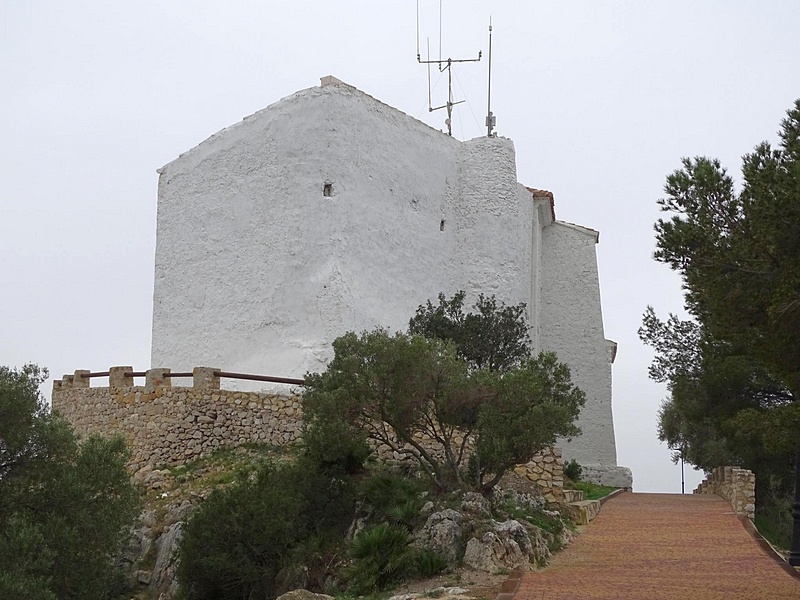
{"points": [[449, 60], [443, 65]]}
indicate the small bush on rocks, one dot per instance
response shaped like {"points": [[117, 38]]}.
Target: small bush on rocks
{"points": [[549, 522], [573, 470]]}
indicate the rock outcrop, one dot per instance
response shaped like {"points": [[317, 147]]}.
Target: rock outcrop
{"points": [[507, 545], [443, 533], [303, 595], [163, 579]]}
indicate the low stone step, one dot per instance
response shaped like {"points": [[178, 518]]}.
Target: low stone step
{"points": [[573, 495], [583, 511]]}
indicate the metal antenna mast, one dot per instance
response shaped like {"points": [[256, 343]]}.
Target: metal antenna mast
{"points": [[490, 118], [443, 65]]}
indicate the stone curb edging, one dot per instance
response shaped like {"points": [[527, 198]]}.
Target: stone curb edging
{"points": [[583, 512], [510, 586], [767, 547], [613, 494]]}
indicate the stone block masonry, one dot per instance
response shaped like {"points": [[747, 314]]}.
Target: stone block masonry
{"points": [[546, 469], [171, 425], [737, 486]]}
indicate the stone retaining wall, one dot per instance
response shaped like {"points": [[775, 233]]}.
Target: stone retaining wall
{"points": [[546, 470], [736, 485], [170, 425]]}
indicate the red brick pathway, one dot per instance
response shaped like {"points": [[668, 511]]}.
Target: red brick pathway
{"points": [[659, 546]]}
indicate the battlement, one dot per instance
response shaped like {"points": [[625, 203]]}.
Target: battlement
{"points": [[168, 424]]}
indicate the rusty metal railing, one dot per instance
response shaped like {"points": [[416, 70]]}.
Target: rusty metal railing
{"points": [[165, 374]]}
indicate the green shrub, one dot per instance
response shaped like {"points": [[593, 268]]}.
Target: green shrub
{"points": [[573, 470], [393, 497], [382, 555], [419, 387], [774, 520], [429, 563], [245, 540], [311, 564], [334, 445], [383, 490], [405, 514], [66, 506]]}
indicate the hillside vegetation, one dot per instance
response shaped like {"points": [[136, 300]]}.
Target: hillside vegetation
{"points": [[262, 520], [401, 473]]}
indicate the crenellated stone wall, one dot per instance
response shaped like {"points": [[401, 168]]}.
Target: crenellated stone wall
{"points": [[170, 425], [736, 485]]}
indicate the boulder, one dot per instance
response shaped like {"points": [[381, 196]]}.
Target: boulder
{"points": [[508, 545], [148, 518], [427, 509], [303, 595], [566, 537], [433, 593], [156, 480], [442, 533], [476, 504], [140, 474], [490, 553], [143, 577], [540, 549]]}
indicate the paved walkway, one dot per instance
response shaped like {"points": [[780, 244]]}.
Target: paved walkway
{"points": [[659, 546]]}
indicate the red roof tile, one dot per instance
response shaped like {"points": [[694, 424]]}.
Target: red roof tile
{"points": [[540, 193], [544, 194]]}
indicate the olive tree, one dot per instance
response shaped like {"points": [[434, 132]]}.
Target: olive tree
{"points": [[417, 397]]}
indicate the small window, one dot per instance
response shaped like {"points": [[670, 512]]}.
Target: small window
{"points": [[327, 190], [441, 225]]}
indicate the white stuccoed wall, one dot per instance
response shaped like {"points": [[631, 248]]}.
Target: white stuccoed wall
{"points": [[257, 271], [541, 217], [493, 223], [571, 325]]}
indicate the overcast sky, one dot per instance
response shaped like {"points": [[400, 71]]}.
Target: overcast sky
{"points": [[602, 99]]}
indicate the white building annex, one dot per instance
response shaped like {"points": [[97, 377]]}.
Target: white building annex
{"points": [[330, 211]]}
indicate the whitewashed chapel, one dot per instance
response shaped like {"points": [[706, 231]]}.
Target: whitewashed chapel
{"points": [[330, 211]]}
